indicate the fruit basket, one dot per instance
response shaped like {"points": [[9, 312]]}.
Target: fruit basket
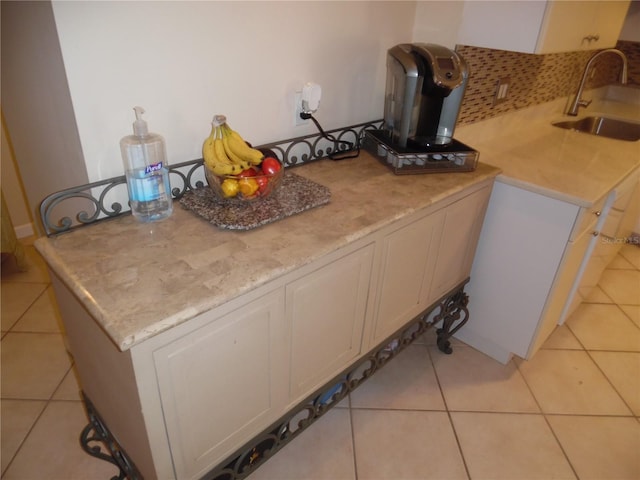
{"points": [[251, 184], [234, 170]]}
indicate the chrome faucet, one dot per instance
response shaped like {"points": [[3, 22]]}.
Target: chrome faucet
{"points": [[578, 102]]}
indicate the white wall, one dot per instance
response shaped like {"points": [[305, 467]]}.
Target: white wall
{"points": [[12, 188], [186, 61], [438, 22], [631, 28]]}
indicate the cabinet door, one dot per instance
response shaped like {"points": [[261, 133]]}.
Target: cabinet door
{"points": [[460, 232], [542, 27], [408, 261], [326, 312], [223, 383], [567, 26], [560, 291]]}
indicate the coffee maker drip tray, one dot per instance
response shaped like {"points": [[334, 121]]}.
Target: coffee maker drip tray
{"points": [[453, 157]]}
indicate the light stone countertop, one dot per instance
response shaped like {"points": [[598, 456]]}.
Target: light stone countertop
{"points": [[138, 280], [571, 166]]}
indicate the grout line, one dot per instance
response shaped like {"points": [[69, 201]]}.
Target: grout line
{"points": [[453, 427], [353, 441]]}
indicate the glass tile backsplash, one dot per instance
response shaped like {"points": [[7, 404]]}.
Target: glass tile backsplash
{"points": [[534, 79]]}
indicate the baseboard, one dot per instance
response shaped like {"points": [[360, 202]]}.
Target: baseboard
{"points": [[25, 230]]}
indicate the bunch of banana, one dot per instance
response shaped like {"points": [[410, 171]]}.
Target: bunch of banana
{"points": [[214, 157], [236, 145], [225, 152]]}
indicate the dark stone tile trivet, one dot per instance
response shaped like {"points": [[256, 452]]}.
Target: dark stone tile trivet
{"points": [[296, 194]]}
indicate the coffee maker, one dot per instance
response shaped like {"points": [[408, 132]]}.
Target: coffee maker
{"points": [[424, 90]]}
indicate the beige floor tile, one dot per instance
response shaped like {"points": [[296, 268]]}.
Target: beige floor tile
{"points": [[621, 262], [604, 327], [568, 381], [472, 381], [405, 445], [623, 371], [632, 254], [633, 312], [600, 448], [18, 416], [16, 300], [509, 446], [597, 295], [33, 365], [69, 388], [42, 316], [623, 286], [52, 450], [562, 338], [406, 382], [322, 452]]}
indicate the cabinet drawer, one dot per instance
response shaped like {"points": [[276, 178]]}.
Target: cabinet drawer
{"points": [[587, 219]]}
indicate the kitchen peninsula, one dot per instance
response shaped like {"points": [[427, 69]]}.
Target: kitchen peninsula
{"points": [[559, 212], [192, 341]]}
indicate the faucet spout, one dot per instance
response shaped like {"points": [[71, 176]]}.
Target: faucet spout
{"points": [[578, 101]]}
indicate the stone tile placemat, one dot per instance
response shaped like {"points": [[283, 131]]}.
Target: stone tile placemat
{"points": [[296, 194]]}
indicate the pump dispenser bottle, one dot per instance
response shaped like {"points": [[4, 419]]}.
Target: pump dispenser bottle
{"points": [[147, 171]]}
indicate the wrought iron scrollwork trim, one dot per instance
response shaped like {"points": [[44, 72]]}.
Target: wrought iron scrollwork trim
{"points": [[96, 435], [289, 152], [449, 309]]}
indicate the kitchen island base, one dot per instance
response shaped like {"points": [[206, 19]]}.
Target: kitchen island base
{"points": [[449, 313], [244, 333]]}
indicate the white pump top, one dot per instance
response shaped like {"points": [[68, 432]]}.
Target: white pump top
{"points": [[140, 128]]}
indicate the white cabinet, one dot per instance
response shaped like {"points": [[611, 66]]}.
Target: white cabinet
{"points": [[542, 27], [530, 260], [583, 25], [408, 262], [194, 395], [222, 382], [424, 260], [326, 314], [521, 247], [621, 212]]}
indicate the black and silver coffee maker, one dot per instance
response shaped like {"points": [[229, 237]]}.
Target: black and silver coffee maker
{"points": [[424, 90]]}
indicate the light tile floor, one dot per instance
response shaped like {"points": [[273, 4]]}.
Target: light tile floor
{"points": [[571, 412]]}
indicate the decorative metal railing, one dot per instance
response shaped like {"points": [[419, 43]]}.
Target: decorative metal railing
{"points": [[108, 198]]}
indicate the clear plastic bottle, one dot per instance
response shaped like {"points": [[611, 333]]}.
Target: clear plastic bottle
{"points": [[147, 171]]}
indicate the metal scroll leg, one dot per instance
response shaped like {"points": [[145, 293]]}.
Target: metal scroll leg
{"points": [[454, 314], [96, 435]]}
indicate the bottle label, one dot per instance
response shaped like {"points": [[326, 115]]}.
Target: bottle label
{"points": [[148, 184], [153, 168]]}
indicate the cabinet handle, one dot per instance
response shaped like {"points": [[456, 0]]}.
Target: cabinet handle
{"points": [[591, 38], [595, 233], [598, 213]]}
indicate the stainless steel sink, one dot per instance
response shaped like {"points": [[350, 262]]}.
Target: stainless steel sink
{"points": [[604, 127]]}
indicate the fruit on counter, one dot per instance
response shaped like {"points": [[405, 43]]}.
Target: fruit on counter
{"points": [[239, 146], [234, 169], [270, 166], [230, 187], [248, 186], [262, 181], [225, 152]]}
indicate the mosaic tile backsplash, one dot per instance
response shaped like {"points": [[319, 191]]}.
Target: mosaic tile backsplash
{"points": [[534, 79]]}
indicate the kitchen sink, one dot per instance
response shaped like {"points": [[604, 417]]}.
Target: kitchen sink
{"points": [[604, 127]]}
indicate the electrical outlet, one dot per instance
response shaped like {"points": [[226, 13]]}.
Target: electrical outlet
{"points": [[502, 89], [297, 110]]}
